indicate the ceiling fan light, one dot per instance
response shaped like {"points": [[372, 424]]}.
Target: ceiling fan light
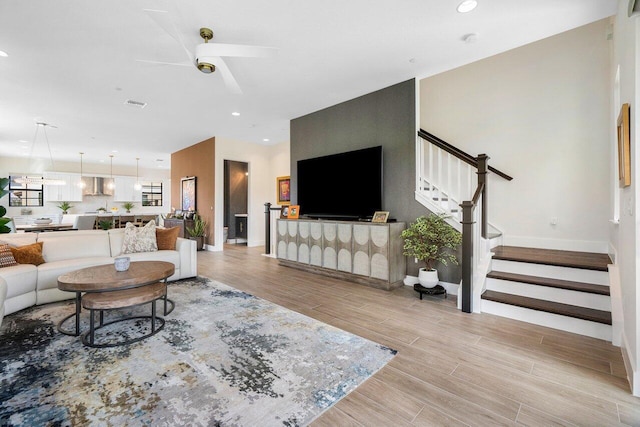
{"points": [[206, 67]]}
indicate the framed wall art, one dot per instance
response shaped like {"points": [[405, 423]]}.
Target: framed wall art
{"points": [[283, 189], [188, 193], [624, 146]]}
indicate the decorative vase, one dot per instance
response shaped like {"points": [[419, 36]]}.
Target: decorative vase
{"points": [[428, 278]]}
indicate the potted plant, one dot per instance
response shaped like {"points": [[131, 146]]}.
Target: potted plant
{"points": [[105, 224], [128, 206], [431, 240], [4, 228], [65, 206], [197, 232]]}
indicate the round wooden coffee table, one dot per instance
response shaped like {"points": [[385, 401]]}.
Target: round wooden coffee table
{"points": [[105, 278]]}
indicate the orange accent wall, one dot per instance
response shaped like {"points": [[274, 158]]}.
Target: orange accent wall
{"points": [[197, 160]]}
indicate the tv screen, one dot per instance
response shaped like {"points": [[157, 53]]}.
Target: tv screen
{"points": [[342, 186]]}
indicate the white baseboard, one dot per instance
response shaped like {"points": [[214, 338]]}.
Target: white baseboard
{"points": [[632, 375]]}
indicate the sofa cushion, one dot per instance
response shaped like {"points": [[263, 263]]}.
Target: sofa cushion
{"points": [[6, 256], [139, 239], [18, 239], [28, 254], [166, 238], [116, 237], [21, 279], [75, 246]]}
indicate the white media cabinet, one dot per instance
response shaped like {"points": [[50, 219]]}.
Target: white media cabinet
{"points": [[362, 252]]}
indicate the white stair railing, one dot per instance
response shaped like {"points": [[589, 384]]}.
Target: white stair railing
{"points": [[446, 179]]}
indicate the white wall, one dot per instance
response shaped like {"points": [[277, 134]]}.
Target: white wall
{"points": [[265, 164], [19, 165], [624, 236], [541, 112]]}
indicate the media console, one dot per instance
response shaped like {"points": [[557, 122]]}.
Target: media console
{"points": [[366, 253]]}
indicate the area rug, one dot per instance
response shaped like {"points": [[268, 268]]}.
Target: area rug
{"points": [[224, 358]]}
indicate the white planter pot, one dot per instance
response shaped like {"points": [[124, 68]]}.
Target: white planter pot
{"points": [[428, 278]]}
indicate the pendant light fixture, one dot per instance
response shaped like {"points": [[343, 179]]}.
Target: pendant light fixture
{"points": [[81, 184], [39, 180], [112, 183], [137, 185]]}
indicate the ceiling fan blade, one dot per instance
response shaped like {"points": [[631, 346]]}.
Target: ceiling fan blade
{"points": [[238, 50], [228, 78], [165, 21], [180, 64]]}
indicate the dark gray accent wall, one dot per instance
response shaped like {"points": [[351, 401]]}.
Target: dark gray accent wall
{"points": [[386, 117]]}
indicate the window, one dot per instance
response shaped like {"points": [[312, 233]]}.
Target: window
{"points": [[25, 195], [152, 194]]}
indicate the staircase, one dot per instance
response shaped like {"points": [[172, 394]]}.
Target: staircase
{"points": [[564, 290]]}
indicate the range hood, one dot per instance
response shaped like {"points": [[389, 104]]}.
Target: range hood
{"points": [[97, 186]]}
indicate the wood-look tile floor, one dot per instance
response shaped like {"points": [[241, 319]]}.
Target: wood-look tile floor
{"points": [[452, 368]]}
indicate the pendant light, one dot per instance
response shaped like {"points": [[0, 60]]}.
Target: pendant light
{"points": [[32, 180], [137, 185], [81, 184], [112, 183]]}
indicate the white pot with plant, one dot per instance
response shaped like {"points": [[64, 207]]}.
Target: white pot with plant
{"points": [[431, 240]]}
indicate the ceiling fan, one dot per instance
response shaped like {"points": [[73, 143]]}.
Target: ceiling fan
{"points": [[207, 57]]}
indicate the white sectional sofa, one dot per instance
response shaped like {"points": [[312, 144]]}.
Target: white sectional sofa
{"points": [[65, 251]]}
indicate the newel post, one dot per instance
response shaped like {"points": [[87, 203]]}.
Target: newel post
{"points": [[483, 166], [467, 256], [267, 228]]}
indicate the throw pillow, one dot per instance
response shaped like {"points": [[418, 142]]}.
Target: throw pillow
{"points": [[6, 257], [166, 238], [139, 239], [29, 254]]}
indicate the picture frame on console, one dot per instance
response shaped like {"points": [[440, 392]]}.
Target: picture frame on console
{"points": [[294, 212], [283, 190], [380, 216], [284, 212], [188, 193]]}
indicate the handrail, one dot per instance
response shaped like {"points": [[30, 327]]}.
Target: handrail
{"points": [[456, 152]]}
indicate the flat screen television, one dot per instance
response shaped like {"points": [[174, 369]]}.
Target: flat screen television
{"points": [[341, 186]]}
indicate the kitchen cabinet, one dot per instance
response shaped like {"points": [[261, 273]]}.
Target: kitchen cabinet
{"points": [[71, 191], [125, 190]]}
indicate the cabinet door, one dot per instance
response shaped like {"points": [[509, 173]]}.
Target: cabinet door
{"points": [[282, 239], [344, 247], [303, 242], [125, 190], [292, 246], [361, 261], [315, 243], [380, 252], [329, 245], [74, 188], [56, 193]]}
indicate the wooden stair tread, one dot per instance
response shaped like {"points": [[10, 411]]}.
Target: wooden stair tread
{"points": [[549, 282], [584, 313], [584, 260]]}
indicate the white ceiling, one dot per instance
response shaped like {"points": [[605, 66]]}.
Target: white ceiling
{"points": [[72, 63]]}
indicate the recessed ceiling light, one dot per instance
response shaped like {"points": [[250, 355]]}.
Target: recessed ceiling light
{"points": [[235, 113], [266, 140], [3, 53], [467, 6]]}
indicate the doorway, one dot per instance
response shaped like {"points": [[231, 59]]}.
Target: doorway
{"points": [[236, 202]]}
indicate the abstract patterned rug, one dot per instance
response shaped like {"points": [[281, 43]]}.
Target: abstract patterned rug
{"points": [[224, 358]]}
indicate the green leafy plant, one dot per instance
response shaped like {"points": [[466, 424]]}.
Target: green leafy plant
{"points": [[128, 206], [65, 206], [105, 224], [431, 239], [199, 227], [4, 228]]}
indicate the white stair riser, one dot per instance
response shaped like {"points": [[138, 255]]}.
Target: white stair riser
{"points": [[551, 271], [564, 296], [555, 321]]}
